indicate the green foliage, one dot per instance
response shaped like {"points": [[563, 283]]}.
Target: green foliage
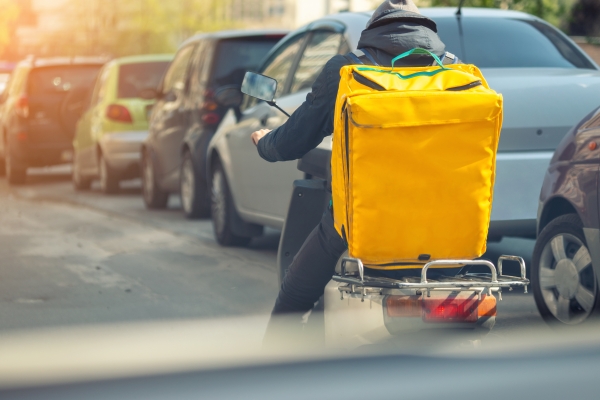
{"points": [[9, 12], [127, 27]]}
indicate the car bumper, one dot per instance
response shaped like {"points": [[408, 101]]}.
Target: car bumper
{"points": [[122, 149]]}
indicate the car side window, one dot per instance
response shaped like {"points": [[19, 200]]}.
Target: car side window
{"points": [[278, 66], [282, 61], [175, 78], [199, 69], [323, 45], [17, 81]]}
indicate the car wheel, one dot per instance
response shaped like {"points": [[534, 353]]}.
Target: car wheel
{"points": [[79, 182], [194, 200], [222, 211], [15, 174], [154, 197], [563, 279], [109, 180]]}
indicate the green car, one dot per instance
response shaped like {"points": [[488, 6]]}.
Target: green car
{"points": [[114, 124]]}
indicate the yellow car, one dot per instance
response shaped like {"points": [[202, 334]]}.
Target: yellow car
{"points": [[115, 123]]}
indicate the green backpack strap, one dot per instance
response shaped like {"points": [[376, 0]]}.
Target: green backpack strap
{"points": [[418, 50]]}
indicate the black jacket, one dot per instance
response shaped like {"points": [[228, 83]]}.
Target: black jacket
{"points": [[387, 36]]}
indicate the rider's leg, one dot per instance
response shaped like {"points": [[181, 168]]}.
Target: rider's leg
{"points": [[311, 269]]}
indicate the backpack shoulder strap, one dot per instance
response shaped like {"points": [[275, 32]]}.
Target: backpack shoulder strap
{"points": [[361, 56]]}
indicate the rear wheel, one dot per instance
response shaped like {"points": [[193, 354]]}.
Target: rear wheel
{"points": [[15, 173], [222, 211], [564, 283], [154, 197], [109, 180], [194, 199], [79, 181]]}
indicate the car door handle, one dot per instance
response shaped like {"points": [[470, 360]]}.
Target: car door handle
{"points": [[264, 120]]}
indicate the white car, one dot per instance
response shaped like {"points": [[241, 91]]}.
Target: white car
{"points": [[547, 81]]}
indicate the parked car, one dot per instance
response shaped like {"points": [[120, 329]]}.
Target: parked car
{"points": [[38, 111], [186, 114], [110, 133], [566, 257], [546, 80]]}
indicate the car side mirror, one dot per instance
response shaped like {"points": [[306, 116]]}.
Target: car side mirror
{"points": [[229, 96], [148, 94], [261, 87]]}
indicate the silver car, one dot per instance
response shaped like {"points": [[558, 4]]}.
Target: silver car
{"points": [[547, 81]]}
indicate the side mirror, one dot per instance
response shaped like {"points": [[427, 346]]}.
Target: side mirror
{"points": [[259, 86], [229, 96], [148, 94]]}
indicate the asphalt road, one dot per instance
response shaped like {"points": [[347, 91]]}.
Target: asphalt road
{"points": [[77, 258]]}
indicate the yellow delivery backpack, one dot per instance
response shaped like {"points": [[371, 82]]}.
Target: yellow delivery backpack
{"points": [[413, 162]]}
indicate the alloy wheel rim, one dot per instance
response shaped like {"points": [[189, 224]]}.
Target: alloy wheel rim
{"points": [[148, 185], [567, 280], [218, 201], [187, 185]]}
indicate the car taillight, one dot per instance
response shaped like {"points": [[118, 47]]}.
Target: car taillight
{"points": [[211, 118], [22, 136], [451, 309], [22, 107], [119, 113]]}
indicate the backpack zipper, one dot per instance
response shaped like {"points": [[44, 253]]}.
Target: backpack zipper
{"points": [[464, 87], [367, 82]]}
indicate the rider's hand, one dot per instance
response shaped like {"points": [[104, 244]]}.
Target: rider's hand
{"points": [[256, 136]]}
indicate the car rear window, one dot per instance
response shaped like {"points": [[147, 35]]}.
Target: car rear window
{"points": [[135, 77], [236, 56], [46, 80], [509, 43]]}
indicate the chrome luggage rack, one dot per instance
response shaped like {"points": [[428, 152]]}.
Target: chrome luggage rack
{"points": [[467, 281]]}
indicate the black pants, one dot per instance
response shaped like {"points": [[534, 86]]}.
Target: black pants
{"points": [[311, 269]]}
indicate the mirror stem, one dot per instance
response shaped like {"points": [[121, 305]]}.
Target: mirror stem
{"points": [[273, 104]]}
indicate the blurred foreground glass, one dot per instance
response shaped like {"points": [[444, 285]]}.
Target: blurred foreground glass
{"points": [[259, 86]]}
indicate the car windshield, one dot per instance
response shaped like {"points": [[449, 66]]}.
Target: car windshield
{"points": [[509, 43], [236, 56], [47, 80], [138, 76]]}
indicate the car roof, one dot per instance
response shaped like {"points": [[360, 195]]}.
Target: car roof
{"points": [[478, 12], [234, 34], [142, 59], [62, 61]]}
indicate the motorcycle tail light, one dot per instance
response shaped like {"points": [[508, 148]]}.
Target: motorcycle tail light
{"points": [[22, 107], [451, 309], [119, 113], [404, 306]]}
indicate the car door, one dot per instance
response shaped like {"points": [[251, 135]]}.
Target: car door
{"points": [[266, 187], [91, 124], [170, 120]]}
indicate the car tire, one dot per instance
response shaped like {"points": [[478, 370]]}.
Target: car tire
{"points": [[195, 201], [565, 287], [109, 179], [223, 211], [15, 174], [154, 197], [80, 182]]}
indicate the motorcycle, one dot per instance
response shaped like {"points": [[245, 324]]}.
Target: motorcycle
{"points": [[362, 306]]}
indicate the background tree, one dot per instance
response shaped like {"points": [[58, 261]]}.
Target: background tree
{"points": [[585, 18], [9, 12]]}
